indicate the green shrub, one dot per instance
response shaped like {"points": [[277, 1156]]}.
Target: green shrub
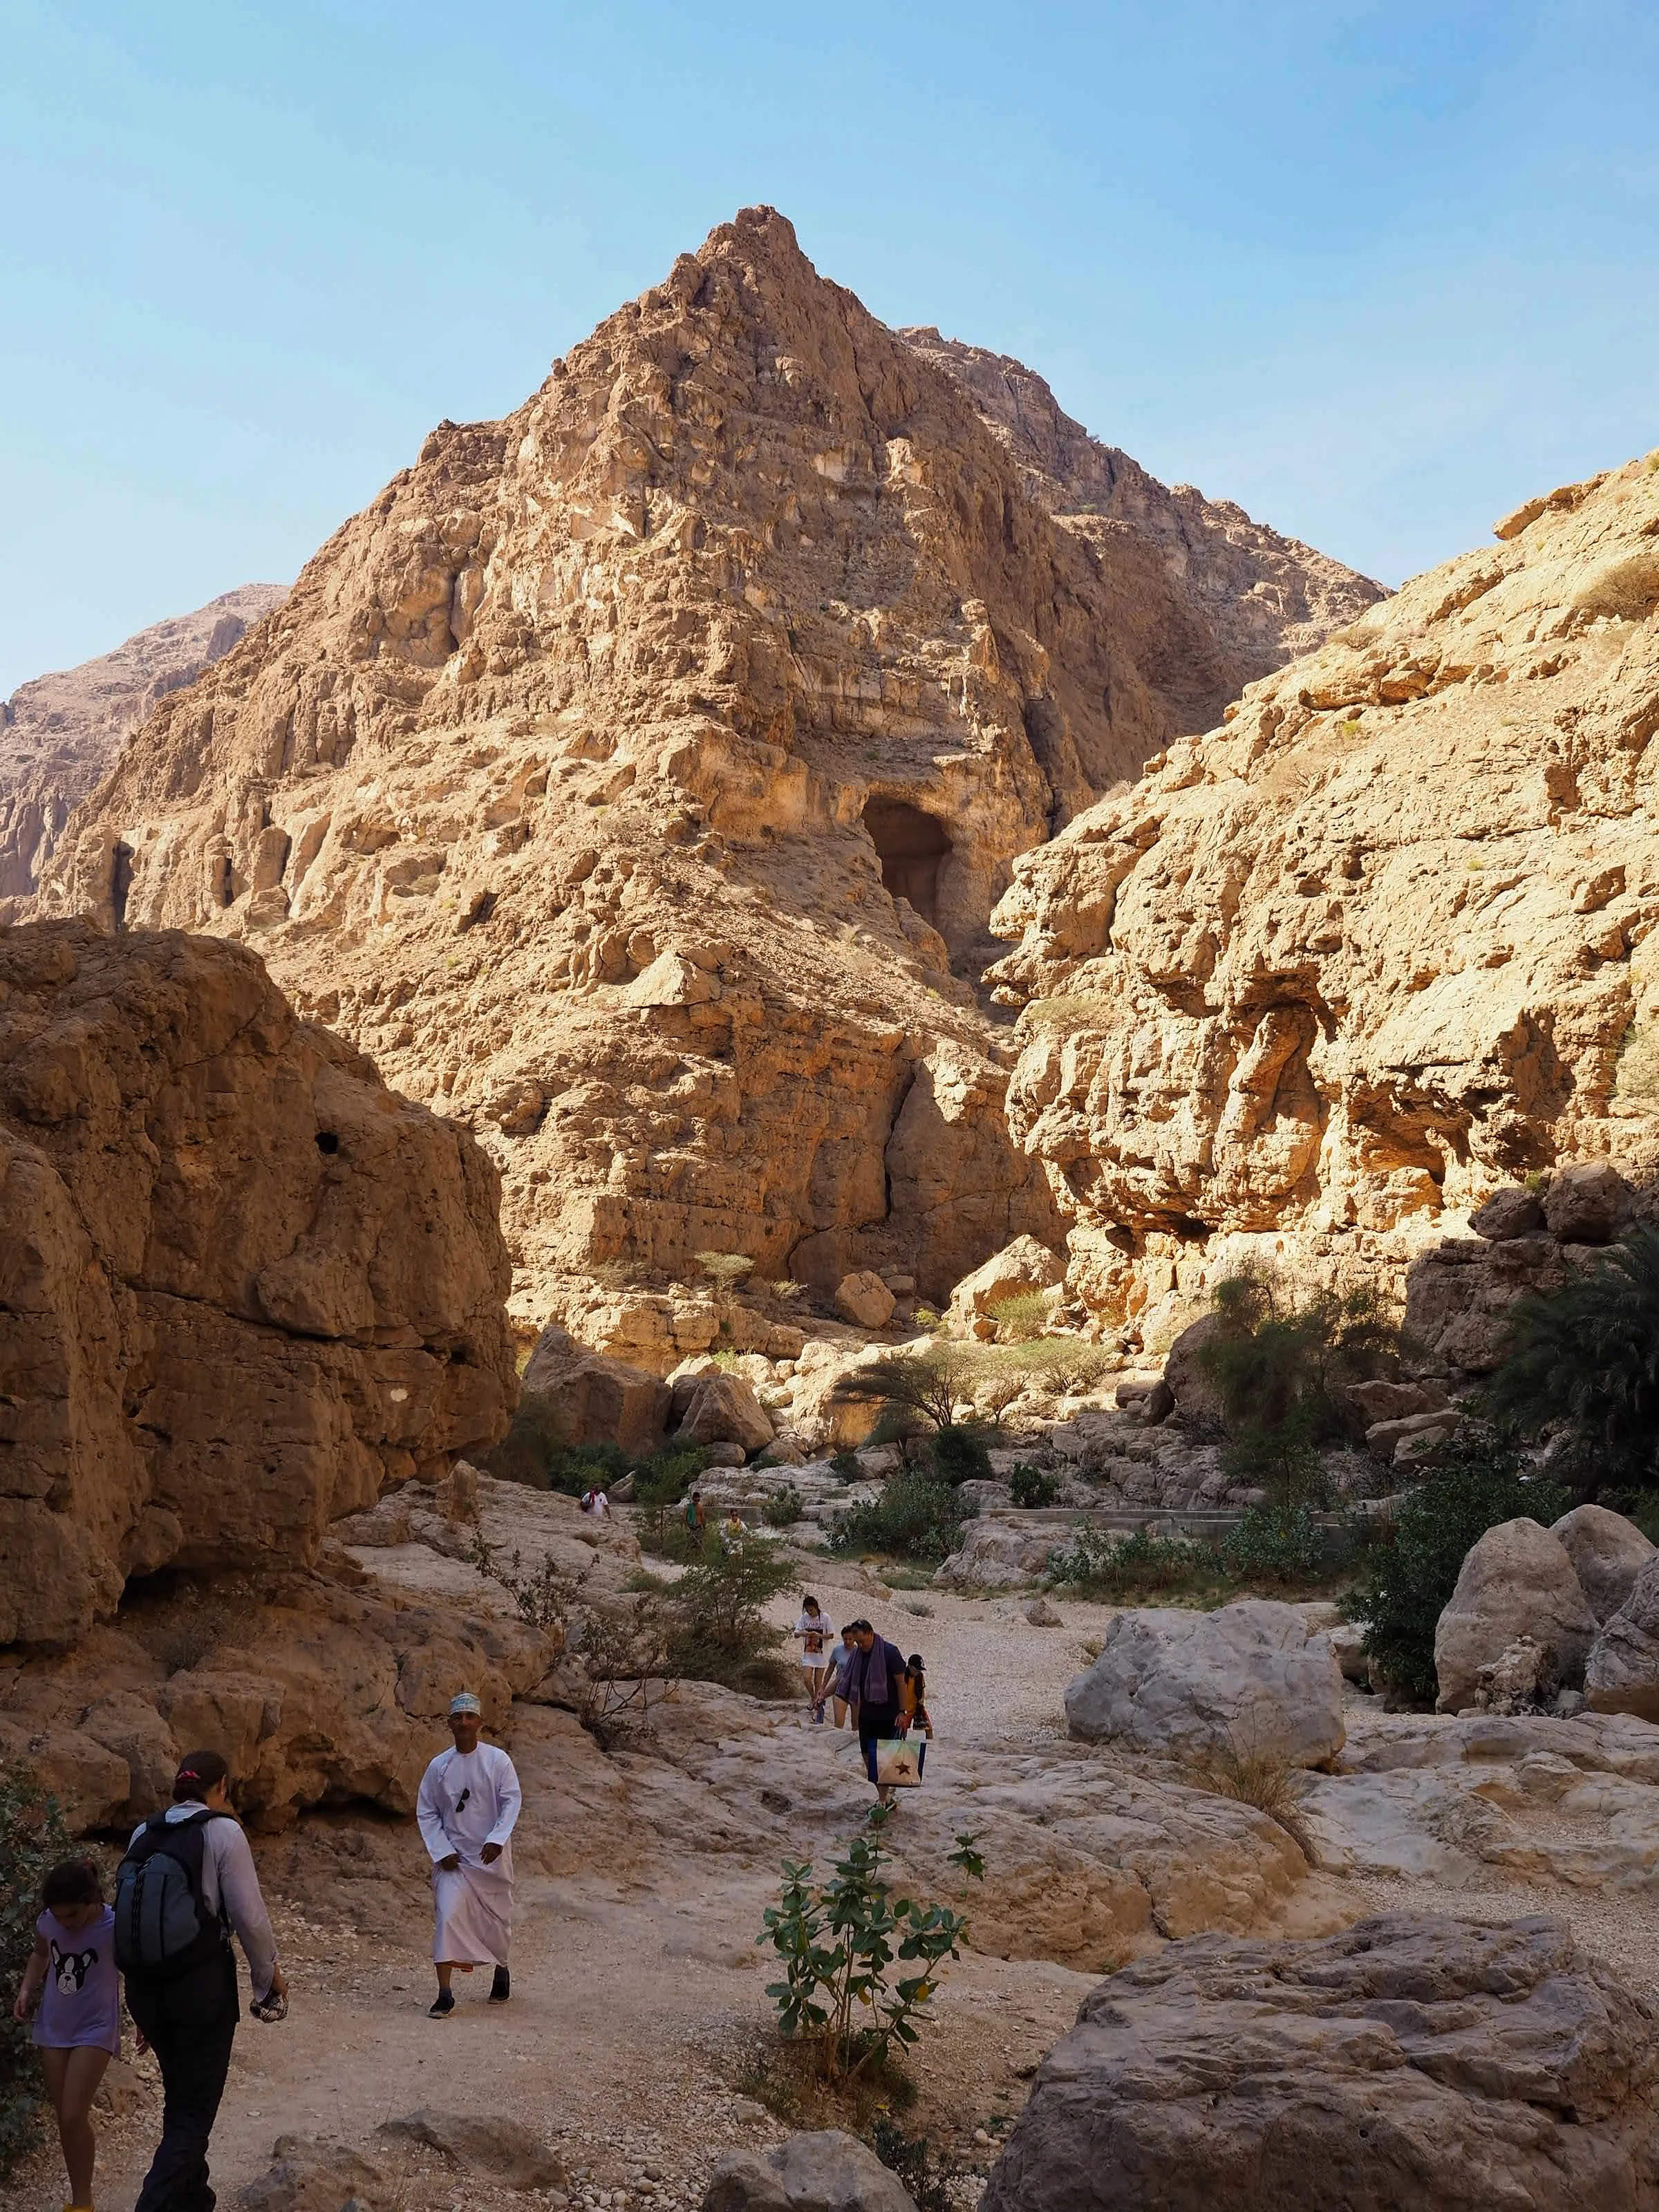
{"points": [[838, 1944], [844, 1466], [960, 1456], [1021, 1315], [1403, 1584], [916, 1517], [1273, 1544], [783, 1508], [1587, 1355], [1095, 1564], [33, 1838], [718, 1630], [1280, 1376], [1029, 1486]]}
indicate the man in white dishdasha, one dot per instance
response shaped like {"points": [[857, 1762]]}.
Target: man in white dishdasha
{"points": [[469, 1800]]}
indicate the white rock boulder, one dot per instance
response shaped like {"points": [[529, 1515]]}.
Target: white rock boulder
{"points": [[1517, 1580], [1607, 1553], [724, 1410], [829, 2172], [865, 1300], [1247, 1679]]}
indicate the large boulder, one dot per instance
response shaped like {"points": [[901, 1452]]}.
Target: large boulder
{"points": [[1586, 1203], [828, 2172], [724, 1410], [1508, 1213], [1191, 1393], [595, 1400], [1607, 1553], [1020, 1267], [1621, 1675], [865, 1300], [1516, 1580], [243, 1285], [1408, 2060], [1247, 1679]]}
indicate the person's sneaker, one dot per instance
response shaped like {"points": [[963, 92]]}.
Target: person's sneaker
{"points": [[442, 2005], [501, 1986]]}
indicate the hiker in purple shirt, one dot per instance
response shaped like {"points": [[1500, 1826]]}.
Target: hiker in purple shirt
{"points": [[876, 1682]]}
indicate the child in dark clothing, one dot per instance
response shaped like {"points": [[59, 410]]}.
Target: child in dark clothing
{"points": [[921, 1720]]}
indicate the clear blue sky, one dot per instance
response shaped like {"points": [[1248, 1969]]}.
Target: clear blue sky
{"points": [[1376, 271]]}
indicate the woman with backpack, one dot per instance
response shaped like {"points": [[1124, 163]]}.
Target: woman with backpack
{"points": [[78, 2030], [187, 1880]]}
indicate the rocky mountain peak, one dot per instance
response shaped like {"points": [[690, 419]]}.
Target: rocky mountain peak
{"points": [[60, 733], [635, 777]]}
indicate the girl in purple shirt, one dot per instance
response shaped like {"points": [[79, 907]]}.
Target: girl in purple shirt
{"points": [[78, 2028]]}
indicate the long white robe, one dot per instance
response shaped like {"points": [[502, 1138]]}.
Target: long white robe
{"points": [[466, 1801]]}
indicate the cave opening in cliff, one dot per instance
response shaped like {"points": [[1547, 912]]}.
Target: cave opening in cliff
{"points": [[910, 844]]}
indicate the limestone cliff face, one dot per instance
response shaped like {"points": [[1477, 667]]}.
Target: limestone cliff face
{"points": [[242, 1284], [629, 776], [59, 735], [1222, 601], [1327, 977]]}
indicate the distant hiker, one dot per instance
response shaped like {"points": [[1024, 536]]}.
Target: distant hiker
{"points": [[815, 1629], [921, 1721], [595, 1502], [468, 1803], [694, 1519], [186, 1881], [878, 1690], [78, 2029], [732, 1533]]}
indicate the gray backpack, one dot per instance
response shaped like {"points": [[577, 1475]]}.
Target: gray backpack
{"points": [[162, 1925]]}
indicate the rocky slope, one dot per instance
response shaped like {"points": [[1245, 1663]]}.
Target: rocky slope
{"points": [[1238, 600], [60, 734], [631, 774], [242, 1284], [1328, 976]]}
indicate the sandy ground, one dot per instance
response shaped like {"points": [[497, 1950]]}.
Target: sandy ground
{"points": [[639, 2004]]}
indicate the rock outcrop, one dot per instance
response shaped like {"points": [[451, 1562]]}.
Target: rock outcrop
{"points": [[1516, 1581], [634, 776], [1328, 976], [1407, 2061], [60, 734], [243, 1285], [1607, 1553], [592, 1399], [1246, 1680], [1237, 599], [1621, 1675]]}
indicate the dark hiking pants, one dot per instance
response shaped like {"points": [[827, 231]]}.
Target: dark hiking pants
{"points": [[189, 2024]]}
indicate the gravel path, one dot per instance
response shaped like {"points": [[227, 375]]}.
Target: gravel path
{"points": [[639, 1997]]}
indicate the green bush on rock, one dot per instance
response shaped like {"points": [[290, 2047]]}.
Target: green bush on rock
{"points": [[1411, 1568]]}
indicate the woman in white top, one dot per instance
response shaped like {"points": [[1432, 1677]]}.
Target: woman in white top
{"points": [[816, 1632]]}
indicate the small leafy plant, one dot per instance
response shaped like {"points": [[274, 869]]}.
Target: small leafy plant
{"points": [[1029, 1486], [783, 1508], [839, 1944], [1097, 1564], [1273, 1544]]}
